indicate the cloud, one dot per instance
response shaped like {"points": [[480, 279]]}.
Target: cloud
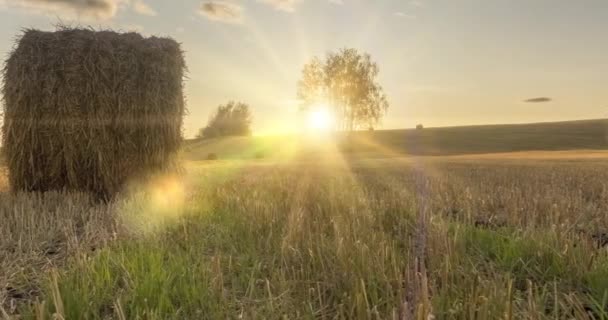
{"points": [[143, 8], [222, 11], [400, 14], [99, 9], [538, 100], [283, 5], [290, 5]]}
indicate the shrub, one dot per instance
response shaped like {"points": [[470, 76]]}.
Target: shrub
{"points": [[231, 119], [419, 127], [212, 156]]}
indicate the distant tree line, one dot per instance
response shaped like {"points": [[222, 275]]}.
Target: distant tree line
{"points": [[231, 119]]}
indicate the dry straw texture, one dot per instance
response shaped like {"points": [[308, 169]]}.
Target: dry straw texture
{"points": [[90, 110]]}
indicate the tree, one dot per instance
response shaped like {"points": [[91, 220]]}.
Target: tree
{"points": [[312, 88], [346, 80], [231, 119]]}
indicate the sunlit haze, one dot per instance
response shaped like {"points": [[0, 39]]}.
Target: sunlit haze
{"points": [[304, 159], [320, 119], [442, 62]]}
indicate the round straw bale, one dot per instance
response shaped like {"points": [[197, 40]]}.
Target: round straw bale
{"points": [[89, 110]]}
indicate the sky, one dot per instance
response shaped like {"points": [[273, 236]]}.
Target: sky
{"points": [[442, 62]]}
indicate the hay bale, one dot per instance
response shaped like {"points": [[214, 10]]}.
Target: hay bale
{"points": [[90, 110]]}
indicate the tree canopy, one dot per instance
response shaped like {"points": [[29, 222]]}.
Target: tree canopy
{"points": [[347, 82], [231, 119]]}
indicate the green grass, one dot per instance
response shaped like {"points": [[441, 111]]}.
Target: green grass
{"points": [[571, 135], [337, 241]]}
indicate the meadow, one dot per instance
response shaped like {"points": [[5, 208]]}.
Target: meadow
{"points": [[445, 141], [328, 236]]}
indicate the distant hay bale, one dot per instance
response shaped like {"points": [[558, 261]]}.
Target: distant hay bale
{"points": [[90, 110]]}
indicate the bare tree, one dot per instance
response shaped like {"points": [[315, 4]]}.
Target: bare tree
{"points": [[347, 81]]}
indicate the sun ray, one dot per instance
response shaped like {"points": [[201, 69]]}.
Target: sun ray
{"points": [[271, 53]]}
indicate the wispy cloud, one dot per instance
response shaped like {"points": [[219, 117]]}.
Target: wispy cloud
{"points": [[538, 100], [283, 5], [99, 9], [401, 14], [143, 8], [222, 11], [290, 5]]}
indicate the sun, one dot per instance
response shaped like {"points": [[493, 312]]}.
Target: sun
{"points": [[321, 119]]}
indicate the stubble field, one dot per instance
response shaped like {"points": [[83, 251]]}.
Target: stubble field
{"points": [[475, 237]]}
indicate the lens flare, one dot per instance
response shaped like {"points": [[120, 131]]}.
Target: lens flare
{"points": [[154, 205], [167, 194], [321, 119]]}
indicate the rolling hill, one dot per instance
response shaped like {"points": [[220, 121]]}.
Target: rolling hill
{"points": [[552, 136]]}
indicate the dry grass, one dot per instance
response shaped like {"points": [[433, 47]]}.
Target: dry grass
{"points": [[90, 110], [40, 231], [505, 239], [541, 155]]}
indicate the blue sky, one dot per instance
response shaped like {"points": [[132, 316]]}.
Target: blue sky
{"points": [[442, 62]]}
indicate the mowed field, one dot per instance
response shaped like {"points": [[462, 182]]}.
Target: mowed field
{"points": [[320, 233], [552, 136]]}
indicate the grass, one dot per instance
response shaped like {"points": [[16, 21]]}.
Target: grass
{"points": [[570, 135], [556, 136], [458, 238]]}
